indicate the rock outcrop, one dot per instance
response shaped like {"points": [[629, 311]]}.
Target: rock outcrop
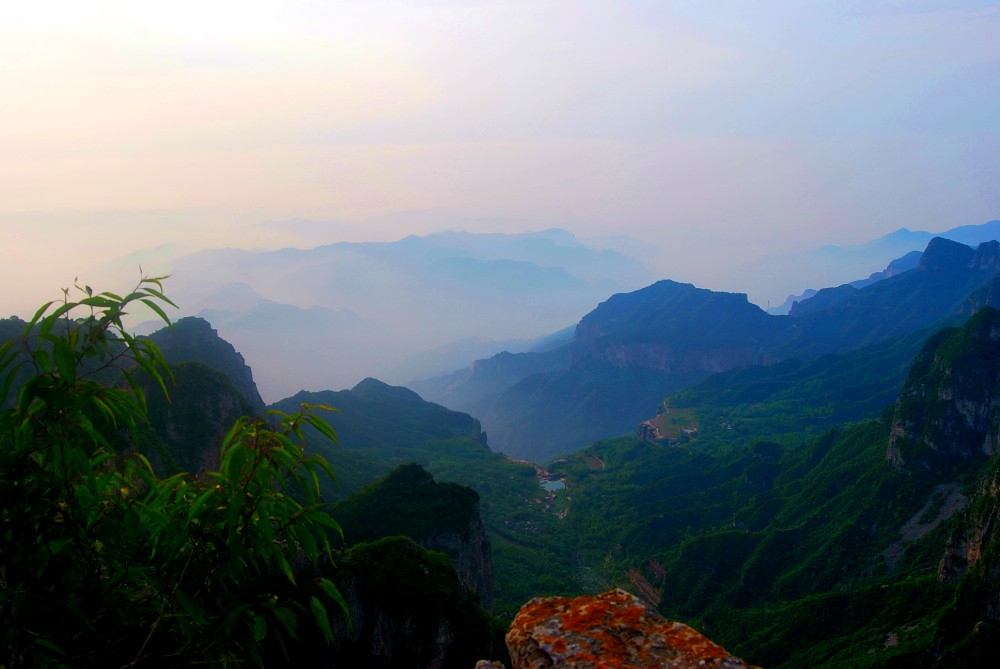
{"points": [[947, 410], [675, 328], [189, 427], [613, 629], [407, 609], [193, 339], [438, 516], [470, 551], [967, 546], [646, 431]]}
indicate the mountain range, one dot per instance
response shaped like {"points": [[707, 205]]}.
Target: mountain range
{"points": [[636, 347], [830, 262], [328, 317], [829, 511], [816, 489]]}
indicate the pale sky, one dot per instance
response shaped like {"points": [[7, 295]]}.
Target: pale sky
{"points": [[716, 131]]}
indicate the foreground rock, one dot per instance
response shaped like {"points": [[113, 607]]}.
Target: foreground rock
{"points": [[613, 629]]}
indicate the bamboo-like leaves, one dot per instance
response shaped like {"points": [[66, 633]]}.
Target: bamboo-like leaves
{"points": [[183, 564]]}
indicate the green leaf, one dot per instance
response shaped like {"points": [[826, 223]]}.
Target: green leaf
{"points": [[286, 618], [42, 359], [53, 318], [322, 427], [34, 319], [286, 568], [319, 613], [199, 502], [49, 646], [308, 543], [331, 591], [7, 383], [65, 359], [259, 628], [160, 296], [98, 301], [104, 409], [156, 308]]}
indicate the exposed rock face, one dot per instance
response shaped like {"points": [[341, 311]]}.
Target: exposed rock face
{"points": [[967, 546], [192, 424], [646, 431], [407, 609], [471, 552], [675, 328], [193, 339], [947, 410], [438, 516], [613, 629]]}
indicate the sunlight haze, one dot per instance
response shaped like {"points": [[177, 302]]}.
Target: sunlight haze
{"points": [[718, 134]]}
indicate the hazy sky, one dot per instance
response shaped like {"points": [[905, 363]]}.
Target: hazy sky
{"points": [[717, 131]]}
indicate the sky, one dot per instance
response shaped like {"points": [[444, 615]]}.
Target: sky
{"points": [[719, 134]]}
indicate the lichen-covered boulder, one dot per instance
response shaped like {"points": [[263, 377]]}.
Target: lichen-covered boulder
{"points": [[613, 629]]}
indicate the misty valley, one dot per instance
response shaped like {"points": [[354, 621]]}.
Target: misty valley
{"points": [[380, 454]]}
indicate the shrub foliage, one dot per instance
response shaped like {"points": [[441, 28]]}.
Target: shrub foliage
{"points": [[105, 563]]}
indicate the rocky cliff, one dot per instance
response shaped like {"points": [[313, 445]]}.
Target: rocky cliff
{"points": [[976, 536], [947, 410], [439, 516], [188, 428], [946, 430], [613, 629], [408, 609], [469, 548], [968, 632], [194, 340], [675, 328]]}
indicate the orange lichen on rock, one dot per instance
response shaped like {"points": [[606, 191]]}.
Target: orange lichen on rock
{"points": [[613, 629]]}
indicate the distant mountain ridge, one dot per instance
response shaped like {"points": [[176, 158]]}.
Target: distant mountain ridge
{"points": [[329, 316], [636, 347], [817, 552], [845, 261]]}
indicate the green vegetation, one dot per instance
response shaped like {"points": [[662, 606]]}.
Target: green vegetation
{"points": [[728, 540], [382, 427], [396, 580], [790, 549], [408, 502], [185, 429], [797, 399], [106, 564], [781, 529]]}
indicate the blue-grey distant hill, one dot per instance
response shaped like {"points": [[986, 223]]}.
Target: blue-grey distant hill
{"points": [[634, 348], [895, 251], [329, 316]]}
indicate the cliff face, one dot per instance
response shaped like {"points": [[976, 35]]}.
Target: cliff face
{"points": [[675, 328], [947, 410], [947, 421], [408, 609], [439, 516], [470, 551], [188, 429], [673, 361], [968, 631], [976, 537], [193, 339]]}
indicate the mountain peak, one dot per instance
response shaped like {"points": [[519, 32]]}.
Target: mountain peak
{"points": [[373, 389], [193, 339], [943, 253]]}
